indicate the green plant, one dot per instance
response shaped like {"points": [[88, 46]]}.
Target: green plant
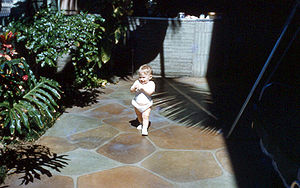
{"points": [[46, 36], [23, 107], [91, 51], [6, 49], [26, 103], [11, 68], [88, 37]]}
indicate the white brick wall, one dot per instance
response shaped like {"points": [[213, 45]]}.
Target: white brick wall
{"points": [[186, 45]]}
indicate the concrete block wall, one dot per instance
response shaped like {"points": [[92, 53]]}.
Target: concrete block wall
{"points": [[5, 7], [184, 45]]}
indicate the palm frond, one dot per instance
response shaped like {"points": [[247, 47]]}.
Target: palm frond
{"points": [[185, 103]]}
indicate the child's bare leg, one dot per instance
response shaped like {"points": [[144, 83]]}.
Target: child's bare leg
{"points": [[139, 116], [145, 116]]}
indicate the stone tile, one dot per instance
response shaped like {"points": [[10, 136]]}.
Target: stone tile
{"points": [[179, 137], [85, 161], [125, 123], [157, 121], [122, 123], [183, 166], [122, 84], [127, 102], [106, 101], [127, 148], [14, 181], [108, 110], [122, 94], [94, 137], [56, 144], [222, 181], [102, 97], [122, 177], [62, 126], [105, 91], [128, 81], [77, 109], [194, 81], [224, 158], [100, 100]]}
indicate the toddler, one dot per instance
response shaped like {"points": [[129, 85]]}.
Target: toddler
{"points": [[142, 102]]}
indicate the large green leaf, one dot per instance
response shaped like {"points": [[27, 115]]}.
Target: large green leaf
{"points": [[34, 114], [12, 123], [34, 101], [22, 114], [51, 89], [105, 54], [4, 104], [45, 100], [32, 109], [50, 98], [7, 120], [17, 121]]}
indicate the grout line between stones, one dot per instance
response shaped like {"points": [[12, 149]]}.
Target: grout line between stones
{"points": [[156, 174], [219, 163]]}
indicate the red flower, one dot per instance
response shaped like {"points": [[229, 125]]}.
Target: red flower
{"points": [[7, 57], [7, 46], [25, 77]]}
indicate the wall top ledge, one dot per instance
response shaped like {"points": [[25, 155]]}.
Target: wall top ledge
{"points": [[176, 19]]}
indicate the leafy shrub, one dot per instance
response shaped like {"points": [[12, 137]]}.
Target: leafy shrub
{"points": [[87, 37], [26, 103], [48, 35]]}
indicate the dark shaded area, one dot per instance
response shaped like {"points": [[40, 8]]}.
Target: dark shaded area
{"points": [[32, 161], [79, 97], [138, 50], [185, 103], [277, 123], [163, 8], [242, 41], [28, 7], [135, 123], [25, 8], [72, 96], [180, 102], [248, 33]]}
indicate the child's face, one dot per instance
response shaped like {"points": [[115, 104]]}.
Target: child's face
{"points": [[144, 78]]}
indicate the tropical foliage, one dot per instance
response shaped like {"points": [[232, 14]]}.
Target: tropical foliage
{"points": [[26, 103], [29, 101], [88, 38]]}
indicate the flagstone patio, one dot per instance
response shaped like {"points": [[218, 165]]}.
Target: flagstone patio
{"points": [[104, 149]]}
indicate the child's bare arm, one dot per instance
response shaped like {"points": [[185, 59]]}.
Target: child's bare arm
{"points": [[134, 86]]}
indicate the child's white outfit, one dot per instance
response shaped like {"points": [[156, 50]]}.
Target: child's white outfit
{"points": [[142, 101]]}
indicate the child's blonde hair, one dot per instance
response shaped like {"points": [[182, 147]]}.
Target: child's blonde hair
{"points": [[145, 69]]}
